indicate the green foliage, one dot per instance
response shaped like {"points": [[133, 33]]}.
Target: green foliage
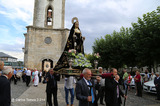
{"points": [[147, 37], [81, 61], [70, 53], [135, 46], [91, 58]]}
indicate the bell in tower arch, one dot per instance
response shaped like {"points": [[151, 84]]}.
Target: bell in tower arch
{"points": [[50, 13], [49, 16]]}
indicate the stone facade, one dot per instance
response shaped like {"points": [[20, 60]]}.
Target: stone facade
{"points": [[36, 50], [45, 43]]}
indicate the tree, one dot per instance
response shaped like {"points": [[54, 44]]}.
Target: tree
{"points": [[135, 46], [146, 37]]}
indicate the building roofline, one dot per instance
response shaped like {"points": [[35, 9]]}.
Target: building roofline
{"points": [[6, 55]]}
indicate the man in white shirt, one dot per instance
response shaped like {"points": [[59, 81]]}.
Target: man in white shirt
{"points": [[69, 83], [28, 77]]}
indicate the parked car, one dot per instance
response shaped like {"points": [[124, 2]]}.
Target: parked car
{"points": [[149, 87], [132, 84]]}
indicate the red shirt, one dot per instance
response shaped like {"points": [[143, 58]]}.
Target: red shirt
{"points": [[129, 78], [138, 77]]}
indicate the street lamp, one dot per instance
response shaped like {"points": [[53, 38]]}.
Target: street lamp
{"points": [[23, 49]]}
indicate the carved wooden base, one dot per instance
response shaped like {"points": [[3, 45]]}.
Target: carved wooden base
{"points": [[76, 72]]}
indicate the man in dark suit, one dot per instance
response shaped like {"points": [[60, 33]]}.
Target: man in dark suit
{"points": [[51, 88], [157, 84], [5, 92], [113, 92], [85, 90]]}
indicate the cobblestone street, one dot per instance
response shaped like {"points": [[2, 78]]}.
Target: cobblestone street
{"points": [[36, 96]]}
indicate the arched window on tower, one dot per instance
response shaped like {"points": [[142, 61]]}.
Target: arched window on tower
{"points": [[49, 16]]}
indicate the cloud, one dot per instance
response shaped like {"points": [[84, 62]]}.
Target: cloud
{"points": [[96, 17], [18, 9], [16, 46], [11, 44], [16, 15], [100, 17], [20, 28]]}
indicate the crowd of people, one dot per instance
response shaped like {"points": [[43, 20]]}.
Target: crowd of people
{"points": [[27, 76], [104, 88]]}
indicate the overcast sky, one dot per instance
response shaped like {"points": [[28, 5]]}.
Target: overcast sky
{"points": [[96, 18]]}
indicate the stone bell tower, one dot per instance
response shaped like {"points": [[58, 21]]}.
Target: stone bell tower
{"points": [[45, 40]]}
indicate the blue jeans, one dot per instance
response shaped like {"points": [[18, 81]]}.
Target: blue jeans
{"points": [[66, 94], [125, 84]]}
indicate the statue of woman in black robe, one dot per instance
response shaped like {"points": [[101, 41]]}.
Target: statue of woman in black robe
{"points": [[75, 41]]}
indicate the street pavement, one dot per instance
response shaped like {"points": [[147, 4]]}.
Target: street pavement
{"points": [[36, 96]]}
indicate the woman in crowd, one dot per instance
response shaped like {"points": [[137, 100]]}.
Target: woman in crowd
{"points": [[33, 75], [129, 80], [138, 83]]}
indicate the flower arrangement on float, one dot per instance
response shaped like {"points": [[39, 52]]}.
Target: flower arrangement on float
{"points": [[71, 53], [96, 56], [80, 61], [77, 60]]}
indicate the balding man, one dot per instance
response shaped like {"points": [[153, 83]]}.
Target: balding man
{"points": [[1, 67], [5, 92], [84, 93], [113, 92], [52, 87]]}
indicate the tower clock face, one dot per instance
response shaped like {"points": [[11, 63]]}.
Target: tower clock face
{"points": [[48, 40]]}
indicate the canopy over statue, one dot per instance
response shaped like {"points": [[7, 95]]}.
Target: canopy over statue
{"points": [[75, 41]]}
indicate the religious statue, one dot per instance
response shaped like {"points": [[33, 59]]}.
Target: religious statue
{"points": [[75, 41]]}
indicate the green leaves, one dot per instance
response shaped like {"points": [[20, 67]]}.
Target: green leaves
{"points": [[81, 61], [135, 46]]}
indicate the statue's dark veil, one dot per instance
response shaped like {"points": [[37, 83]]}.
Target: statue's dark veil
{"points": [[62, 62]]}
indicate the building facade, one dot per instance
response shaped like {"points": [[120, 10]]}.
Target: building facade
{"points": [[46, 39], [7, 58]]}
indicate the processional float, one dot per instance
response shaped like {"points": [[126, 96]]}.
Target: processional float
{"points": [[72, 60]]}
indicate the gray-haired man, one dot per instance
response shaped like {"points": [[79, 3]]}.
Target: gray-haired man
{"points": [[5, 92], [85, 89]]}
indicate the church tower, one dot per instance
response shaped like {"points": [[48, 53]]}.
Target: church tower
{"points": [[45, 40], [49, 13]]}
